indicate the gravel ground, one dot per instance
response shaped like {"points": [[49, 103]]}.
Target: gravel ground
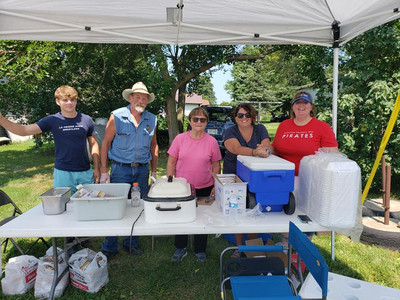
{"points": [[375, 231]]}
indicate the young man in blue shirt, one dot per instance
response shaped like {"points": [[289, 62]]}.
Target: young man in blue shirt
{"points": [[71, 131]]}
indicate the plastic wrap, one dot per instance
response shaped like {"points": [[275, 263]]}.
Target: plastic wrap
{"points": [[329, 191]]}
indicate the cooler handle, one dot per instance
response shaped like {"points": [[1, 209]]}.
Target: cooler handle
{"points": [[168, 209], [276, 174]]}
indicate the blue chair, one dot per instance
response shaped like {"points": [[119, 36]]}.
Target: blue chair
{"points": [[264, 277]]}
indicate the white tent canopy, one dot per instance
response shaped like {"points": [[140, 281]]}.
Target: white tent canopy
{"points": [[217, 22], [186, 22]]}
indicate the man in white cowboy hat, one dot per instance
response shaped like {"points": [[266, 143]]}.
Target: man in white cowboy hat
{"points": [[130, 143]]}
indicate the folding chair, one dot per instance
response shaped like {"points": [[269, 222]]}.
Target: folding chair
{"points": [[268, 280], [6, 200]]}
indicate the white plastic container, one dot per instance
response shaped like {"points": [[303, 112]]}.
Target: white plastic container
{"points": [[329, 189], [107, 208], [170, 202]]}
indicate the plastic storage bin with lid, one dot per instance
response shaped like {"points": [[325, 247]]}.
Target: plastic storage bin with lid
{"points": [[271, 180]]}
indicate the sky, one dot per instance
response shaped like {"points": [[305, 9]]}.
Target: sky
{"points": [[219, 80]]}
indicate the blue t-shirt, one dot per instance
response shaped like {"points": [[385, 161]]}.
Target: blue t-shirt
{"points": [[260, 133], [70, 140]]}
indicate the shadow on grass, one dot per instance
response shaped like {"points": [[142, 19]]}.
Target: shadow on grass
{"points": [[24, 164]]}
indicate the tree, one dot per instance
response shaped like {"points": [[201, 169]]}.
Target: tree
{"points": [[371, 82], [274, 78], [179, 66], [101, 71], [202, 85]]}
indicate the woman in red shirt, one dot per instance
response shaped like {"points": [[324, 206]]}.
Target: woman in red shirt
{"points": [[303, 134]]}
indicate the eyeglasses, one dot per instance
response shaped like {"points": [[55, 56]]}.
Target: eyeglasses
{"points": [[241, 115], [196, 119]]}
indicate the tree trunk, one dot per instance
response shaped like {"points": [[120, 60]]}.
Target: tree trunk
{"points": [[181, 107], [170, 109]]}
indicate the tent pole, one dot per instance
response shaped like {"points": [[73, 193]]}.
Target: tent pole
{"points": [[334, 119], [335, 88]]}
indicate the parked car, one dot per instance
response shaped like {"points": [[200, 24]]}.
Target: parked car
{"points": [[4, 137], [220, 120], [279, 118], [162, 137]]}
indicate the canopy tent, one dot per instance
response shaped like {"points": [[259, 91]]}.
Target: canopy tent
{"points": [[189, 22], [183, 22]]}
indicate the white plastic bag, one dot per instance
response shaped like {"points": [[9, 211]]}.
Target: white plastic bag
{"points": [[88, 270], [20, 275], [45, 273]]}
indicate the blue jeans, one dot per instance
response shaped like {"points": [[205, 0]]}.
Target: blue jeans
{"points": [[127, 174]]}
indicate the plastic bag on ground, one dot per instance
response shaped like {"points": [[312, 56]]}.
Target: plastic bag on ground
{"points": [[88, 270], [45, 273], [20, 275]]}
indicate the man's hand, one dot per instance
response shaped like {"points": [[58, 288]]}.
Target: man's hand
{"points": [[104, 178], [96, 175], [153, 177]]}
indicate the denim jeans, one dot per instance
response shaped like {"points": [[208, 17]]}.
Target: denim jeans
{"points": [[127, 174]]}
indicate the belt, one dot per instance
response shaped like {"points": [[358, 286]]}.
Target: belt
{"points": [[133, 165]]}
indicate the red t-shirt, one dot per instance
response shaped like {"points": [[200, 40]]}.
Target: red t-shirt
{"points": [[292, 142]]}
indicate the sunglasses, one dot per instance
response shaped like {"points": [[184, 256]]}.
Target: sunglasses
{"points": [[196, 119], [241, 115]]}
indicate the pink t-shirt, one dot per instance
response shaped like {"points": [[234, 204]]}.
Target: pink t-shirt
{"points": [[292, 142], [194, 158]]}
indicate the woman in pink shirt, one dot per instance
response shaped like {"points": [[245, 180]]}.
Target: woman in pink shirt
{"points": [[193, 155]]}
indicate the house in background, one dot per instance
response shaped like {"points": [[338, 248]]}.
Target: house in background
{"points": [[193, 101]]}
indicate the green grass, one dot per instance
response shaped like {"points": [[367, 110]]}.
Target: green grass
{"points": [[26, 172], [271, 127]]}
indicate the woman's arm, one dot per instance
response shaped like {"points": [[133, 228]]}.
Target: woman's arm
{"points": [[234, 147], [216, 167], [171, 165]]}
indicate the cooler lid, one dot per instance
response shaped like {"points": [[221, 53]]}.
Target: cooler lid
{"points": [[272, 162]]}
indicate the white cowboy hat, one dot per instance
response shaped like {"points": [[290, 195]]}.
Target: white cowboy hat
{"points": [[138, 87]]}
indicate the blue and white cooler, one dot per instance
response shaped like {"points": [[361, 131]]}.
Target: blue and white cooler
{"points": [[271, 180]]}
